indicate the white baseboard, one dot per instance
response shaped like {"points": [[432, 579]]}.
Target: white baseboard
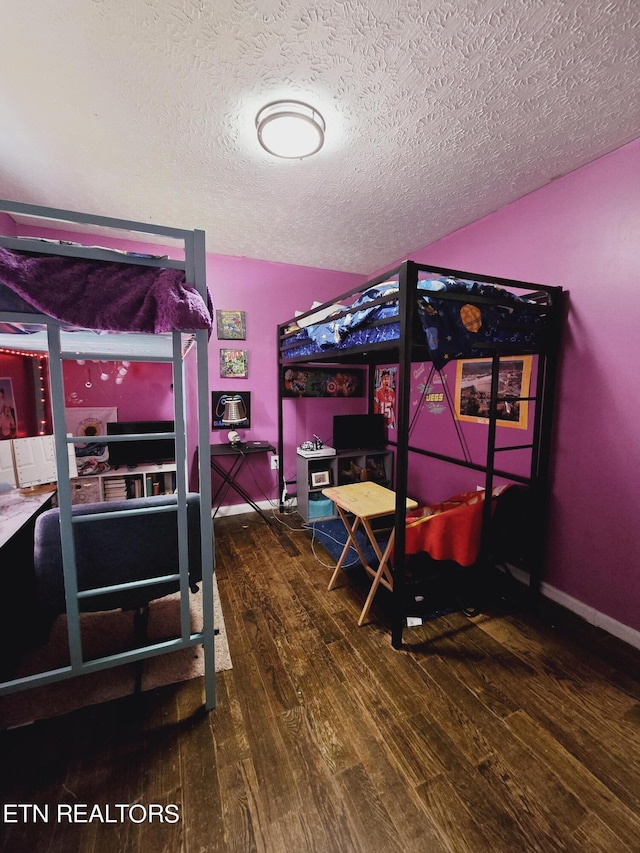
{"points": [[239, 509], [589, 614], [594, 617]]}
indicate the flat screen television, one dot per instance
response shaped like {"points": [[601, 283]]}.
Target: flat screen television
{"points": [[359, 432], [140, 451]]}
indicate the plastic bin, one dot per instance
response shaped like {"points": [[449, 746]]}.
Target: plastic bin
{"points": [[319, 506]]}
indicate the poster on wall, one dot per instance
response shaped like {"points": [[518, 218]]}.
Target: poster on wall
{"points": [[233, 364], [8, 418], [473, 391], [323, 382], [231, 325], [218, 402], [92, 457], [431, 389], [384, 394]]}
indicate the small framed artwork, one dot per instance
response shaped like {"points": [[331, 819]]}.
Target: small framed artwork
{"points": [[233, 363], [320, 478], [231, 325], [240, 405]]}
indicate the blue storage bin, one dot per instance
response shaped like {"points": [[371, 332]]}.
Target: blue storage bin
{"points": [[319, 506]]}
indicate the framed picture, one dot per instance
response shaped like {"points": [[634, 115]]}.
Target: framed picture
{"points": [[218, 402], [320, 478], [384, 395], [473, 390], [233, 363], [8, 418], [231, 325], [323, 382]]}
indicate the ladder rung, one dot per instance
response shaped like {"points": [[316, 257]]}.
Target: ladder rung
{"points": [[121, 587]]}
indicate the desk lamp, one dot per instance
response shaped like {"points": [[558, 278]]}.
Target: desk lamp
{"points": [[234, 413]]}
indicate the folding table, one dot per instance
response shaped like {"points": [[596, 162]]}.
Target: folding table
{"points": [[365, 501]]}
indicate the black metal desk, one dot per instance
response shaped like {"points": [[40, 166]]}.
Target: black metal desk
{"points": [[240, 454]]}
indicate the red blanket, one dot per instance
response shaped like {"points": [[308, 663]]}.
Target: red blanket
{"points": [[450, 530]]}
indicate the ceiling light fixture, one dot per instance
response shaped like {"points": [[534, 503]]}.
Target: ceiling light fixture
{"points": [[290, 129]]}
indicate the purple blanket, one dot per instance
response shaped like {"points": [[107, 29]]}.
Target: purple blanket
{"points": [[105, 296]]}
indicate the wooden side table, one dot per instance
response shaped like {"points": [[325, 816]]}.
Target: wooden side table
{"points": [[365, 501]]}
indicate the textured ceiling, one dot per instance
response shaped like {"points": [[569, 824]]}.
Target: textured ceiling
{"points": [[437, 113]]}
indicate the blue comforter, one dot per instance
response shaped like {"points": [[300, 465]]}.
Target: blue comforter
{"points": [[453, 328]]}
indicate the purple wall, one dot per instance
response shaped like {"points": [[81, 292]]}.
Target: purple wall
{"points": [[270, 293], [582, 232], [145, 392]]}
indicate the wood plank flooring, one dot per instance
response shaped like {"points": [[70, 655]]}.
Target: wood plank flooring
{"points": [[505, 732]]}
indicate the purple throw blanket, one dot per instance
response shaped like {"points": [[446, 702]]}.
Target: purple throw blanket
{"points": [[106, 296]]}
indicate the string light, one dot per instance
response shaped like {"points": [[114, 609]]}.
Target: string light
{"points": [[42, 365], [9, 351]]}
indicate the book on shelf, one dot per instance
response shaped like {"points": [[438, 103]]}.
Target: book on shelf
{"points": [[115, 489]]}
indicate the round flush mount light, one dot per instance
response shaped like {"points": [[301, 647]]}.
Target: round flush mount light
{"points": [[290, 129]]}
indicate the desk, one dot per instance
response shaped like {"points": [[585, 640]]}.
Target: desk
{"points": [[365, 501], [16, 510], [239, 453], [18, 609]]}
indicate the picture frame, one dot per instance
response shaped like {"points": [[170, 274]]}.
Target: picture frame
{"points": [[473, 390], [320, 478], [323, 382], [8, 417], [234, 364], [218, 399], [231, 325]]}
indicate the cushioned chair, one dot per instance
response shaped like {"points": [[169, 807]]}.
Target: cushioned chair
{"points": [[113, 550]]}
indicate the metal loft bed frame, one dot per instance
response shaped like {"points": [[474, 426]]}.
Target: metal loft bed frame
{"points": [[159, 348], [409, 346]]}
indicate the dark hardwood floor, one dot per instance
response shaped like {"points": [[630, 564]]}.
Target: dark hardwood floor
{"points": [[505, 732]]}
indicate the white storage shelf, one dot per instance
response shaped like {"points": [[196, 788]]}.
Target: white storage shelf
{"points": [[347, 466], [124, 483]]}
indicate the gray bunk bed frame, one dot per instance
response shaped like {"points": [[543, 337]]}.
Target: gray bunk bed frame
{"points": [[192, 243], [409, 347]]}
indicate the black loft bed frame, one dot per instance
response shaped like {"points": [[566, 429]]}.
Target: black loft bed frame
{"points": [[410, 346]]}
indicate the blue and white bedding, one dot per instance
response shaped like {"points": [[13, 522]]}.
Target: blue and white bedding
{"points": [[454, 327]]}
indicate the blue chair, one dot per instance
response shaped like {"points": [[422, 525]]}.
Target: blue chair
{"points": [[116, 550]]}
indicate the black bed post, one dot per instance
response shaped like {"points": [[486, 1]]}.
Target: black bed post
{"points": [[280, 380], [491, 446], [407, 283], [547, 377]]}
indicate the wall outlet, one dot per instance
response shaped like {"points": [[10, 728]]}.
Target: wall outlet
{"points": [[275, 462]]}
